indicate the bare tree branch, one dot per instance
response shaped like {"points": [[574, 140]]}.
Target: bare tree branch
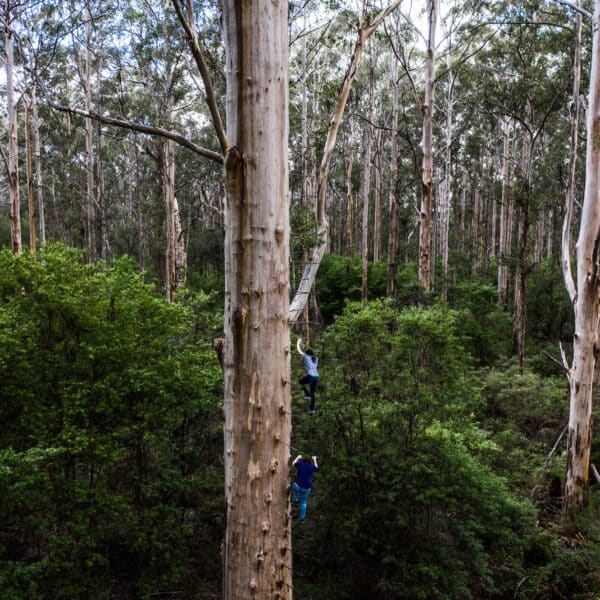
{"points": [[125, 124], [574, 6], [190, 31]]}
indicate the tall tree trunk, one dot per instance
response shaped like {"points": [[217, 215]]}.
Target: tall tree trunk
{"points": [[427, 174], [170, 254], [377, 200], [503, 248], [89, 148], [584, 293], [13, 146], [392, 258], [29, 172], [476, 245], [520, 312], [180, 249], [37, 155], [257, 406], [366, 184], [446, 196], [349, 206]]}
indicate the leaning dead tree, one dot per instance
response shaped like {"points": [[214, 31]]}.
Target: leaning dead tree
{"points": [[310, 272]]}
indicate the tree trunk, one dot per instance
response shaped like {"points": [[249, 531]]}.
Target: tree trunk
{"points": [[476, 245], [349, 206], [89, 149], [170, 254], [427, 175], [585, 303], [392, 258], [13, 147], [29, 172], [366, 184], [37, 155], [377, 200], [503, 248], [446, 197], [257, 406]]}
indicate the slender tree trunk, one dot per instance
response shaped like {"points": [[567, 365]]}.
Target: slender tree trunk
{"points": [[366, 184], [349, 206], [89, 149], [427, 175], [170, 254], [392, 258], [446, 197], [29, 172], [180, 248], [38, 166], [13, 147], [257, 552], [520, 313], [503, 249], [476, 245], [377, 205]]}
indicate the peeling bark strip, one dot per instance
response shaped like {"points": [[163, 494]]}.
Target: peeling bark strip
{"points": [[256, 358], [586, 306]]}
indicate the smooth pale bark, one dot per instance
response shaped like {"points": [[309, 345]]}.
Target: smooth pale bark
{"points": [[29, 173], [349, 206], [427, 170], [89, 148], [13, 147], [446, 196], [180, 248], [476, 245], [586, 303], [570, 194], [310, 273], [392, 260], [170, 253], [37, 157], [377, 202], [503, 246], [257, 405], [366, 182]]}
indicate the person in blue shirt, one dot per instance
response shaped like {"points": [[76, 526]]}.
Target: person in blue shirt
{"points": [[311, 379], [305, 467]]}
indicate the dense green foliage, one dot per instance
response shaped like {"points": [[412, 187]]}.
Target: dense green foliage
{"points": [[110, 462], [430, 445]]}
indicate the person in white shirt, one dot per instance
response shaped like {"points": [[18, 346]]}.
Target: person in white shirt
{"points": [[310, 381]]}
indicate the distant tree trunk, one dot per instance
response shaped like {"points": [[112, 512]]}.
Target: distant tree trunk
{"points": [[377, 204], [349, 206], [37, 153], [427, 175], [170, 254], [392, 258], [446, 196], [503, 248], [13, 146], [366, 184], [29, 172], [89, 148], [257, 550], [476, 258], [180, 251], [520, 312]]}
